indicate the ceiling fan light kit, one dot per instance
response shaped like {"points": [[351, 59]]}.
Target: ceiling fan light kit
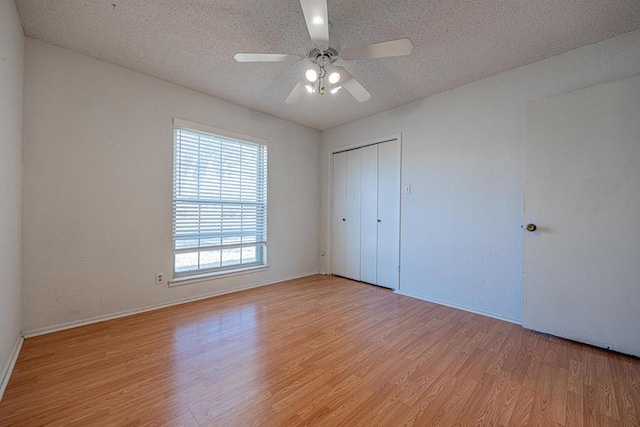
{"points": [[324, 56], [311, 75]]}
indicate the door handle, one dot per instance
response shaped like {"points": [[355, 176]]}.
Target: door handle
{"points": [[531, 228], [379, 220], [344, 219]]}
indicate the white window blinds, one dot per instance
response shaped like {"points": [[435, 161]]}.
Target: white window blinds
{"points": [[219, 202]]}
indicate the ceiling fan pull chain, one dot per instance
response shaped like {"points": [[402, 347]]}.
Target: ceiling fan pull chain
{"points": [[323, 73]]}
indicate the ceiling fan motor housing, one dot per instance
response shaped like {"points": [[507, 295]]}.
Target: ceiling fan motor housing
{"points": [[323, 57]]}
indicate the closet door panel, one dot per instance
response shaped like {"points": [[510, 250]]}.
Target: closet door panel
{"points": [[338, 220], [353, 201], [369, 215], [389, 214]]}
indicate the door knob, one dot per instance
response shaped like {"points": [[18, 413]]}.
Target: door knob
{"points": [[379, 220], [344, 219], [531, 227]]}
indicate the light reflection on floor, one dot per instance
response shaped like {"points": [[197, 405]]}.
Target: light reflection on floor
{"points": [[198, 381]]}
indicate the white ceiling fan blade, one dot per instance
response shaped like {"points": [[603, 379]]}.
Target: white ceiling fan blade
{"points": [[353, 86], [315, 13], [378, 50], [264, 57], [296, 93]]}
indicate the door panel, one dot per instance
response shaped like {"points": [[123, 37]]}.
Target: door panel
{"points": [[369, 215], [338, 220], [582, 190], [389, 214], [353, 200]]}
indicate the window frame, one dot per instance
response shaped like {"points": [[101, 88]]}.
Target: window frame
{"points": [[260, 247]]}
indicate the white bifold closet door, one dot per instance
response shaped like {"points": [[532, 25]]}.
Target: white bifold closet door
{"points": [[338, 218], [369, 215], [366, 214], [352, 226], [389, 214]]}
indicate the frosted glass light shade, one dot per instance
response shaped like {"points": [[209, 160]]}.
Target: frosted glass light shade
{"points": [[311, 75]]}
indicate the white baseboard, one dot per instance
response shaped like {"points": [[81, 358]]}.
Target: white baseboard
{"points": [[83, 322], [459, 307], [11, 363]]}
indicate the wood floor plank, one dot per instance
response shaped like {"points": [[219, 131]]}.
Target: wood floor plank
{"points": [[319, 350]]}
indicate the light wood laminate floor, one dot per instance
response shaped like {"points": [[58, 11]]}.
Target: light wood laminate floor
{"points": [[319, 350]]}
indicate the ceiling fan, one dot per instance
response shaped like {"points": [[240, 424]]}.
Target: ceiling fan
{"points": [[323, 73]]}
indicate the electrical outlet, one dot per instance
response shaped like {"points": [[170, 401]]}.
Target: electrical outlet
{"points": [[159, 278]]}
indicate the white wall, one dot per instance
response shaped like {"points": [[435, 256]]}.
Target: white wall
{"points": [[462, 154], [98, 187], [11, 72]]}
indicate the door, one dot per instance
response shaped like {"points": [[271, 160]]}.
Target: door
{"points": [[388, 266], [369, 215], [353, 211], [339, 215], [582, 192]]}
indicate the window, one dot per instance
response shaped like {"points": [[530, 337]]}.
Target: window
{"points": [[219, 200]]}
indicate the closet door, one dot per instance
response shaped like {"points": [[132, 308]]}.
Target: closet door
{"points": [[388, 264], [353, 200], [369, 215], [339, 214], [366, 214]]}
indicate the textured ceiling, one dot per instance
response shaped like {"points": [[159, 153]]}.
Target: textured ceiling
{"points": [[192, 43]]}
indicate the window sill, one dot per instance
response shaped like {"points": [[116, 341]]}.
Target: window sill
{"points": [[197, 278]]}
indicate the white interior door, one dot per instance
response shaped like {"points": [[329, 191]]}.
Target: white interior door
{"points": [[353, 201], [338, 217], [582, 191], [369, 215], [389, 214]]}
